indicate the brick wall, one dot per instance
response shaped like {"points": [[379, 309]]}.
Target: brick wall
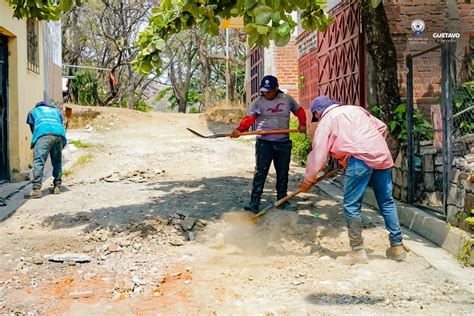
{"points": [[439, 16], [426, 68], [286, 67]]}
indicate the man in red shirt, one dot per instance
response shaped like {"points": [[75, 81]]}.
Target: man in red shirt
{"points": [[271, 111]]}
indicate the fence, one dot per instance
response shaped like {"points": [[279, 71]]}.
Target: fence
{"points": [[440, 126], [429, 153]]}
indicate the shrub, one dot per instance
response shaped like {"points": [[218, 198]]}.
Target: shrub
{"points": [[301, 143], [421, 125]]}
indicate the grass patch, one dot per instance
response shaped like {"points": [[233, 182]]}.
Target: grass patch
{"points": [[67, 172], [84, 159], [80, 144]]}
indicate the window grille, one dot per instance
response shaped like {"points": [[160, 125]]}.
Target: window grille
{"points": [[32, 45]]}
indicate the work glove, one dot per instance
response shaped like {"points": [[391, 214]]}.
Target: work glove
{"points": [[235, 134], [305, 186]]}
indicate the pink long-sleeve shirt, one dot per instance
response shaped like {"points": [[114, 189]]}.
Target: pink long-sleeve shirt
{"points": [[346, 131]]}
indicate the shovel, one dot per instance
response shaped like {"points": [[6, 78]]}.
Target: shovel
{"points": [[278, 131], [289, 196]]}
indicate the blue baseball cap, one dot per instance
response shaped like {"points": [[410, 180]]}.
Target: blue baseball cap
{"points": [[268, 83], [320, 104]]}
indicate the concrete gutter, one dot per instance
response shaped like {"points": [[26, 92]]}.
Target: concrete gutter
{"points": [[448, 237], [424, 232]]}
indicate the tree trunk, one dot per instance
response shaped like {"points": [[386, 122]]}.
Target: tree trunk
{"points": [[382, 50]]}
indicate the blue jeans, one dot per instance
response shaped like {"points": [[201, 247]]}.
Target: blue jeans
{"points": [[358, 176], [48, 145]]}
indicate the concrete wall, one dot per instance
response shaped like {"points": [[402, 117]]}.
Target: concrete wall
{"points": [[25, 89]]}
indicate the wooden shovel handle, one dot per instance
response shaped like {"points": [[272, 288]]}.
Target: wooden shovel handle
{"points": [[286, 198], [277, 131]]}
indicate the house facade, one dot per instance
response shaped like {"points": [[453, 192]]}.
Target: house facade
{"points": [[30, 71]]}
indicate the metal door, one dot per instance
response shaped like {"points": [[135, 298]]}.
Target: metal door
{"points": [[335, 65], [4, 174], [256, 72]]}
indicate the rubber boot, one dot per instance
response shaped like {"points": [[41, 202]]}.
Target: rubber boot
{"points": [[397, 253], [34, 194], [56, 189], [358, 254], [354, 229], [252, 206]]}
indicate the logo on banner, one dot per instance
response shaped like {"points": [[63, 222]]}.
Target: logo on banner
{"points": [[418, 27]]}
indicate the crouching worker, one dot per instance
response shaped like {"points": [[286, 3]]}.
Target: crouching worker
{"points": [[49, 138], [357, 139]]}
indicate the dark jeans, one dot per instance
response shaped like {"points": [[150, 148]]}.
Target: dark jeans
{"points": [[48, 145], [266, 152]]}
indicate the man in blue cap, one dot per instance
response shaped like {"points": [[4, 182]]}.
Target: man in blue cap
{"points": [[49, 138], [271, 111]]}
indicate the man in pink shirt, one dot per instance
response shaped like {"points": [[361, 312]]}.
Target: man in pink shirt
{"points": [[357, 139]]}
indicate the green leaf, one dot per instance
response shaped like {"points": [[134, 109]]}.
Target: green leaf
{"points": [[263, 18], [262, 9], [65, 5], [262, 29], [276, 16], [146, 66], [393, 126], [282, 40], [376, 3], [250, 27], [284, 29]]}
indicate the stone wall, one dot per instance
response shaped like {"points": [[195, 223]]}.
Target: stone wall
{"points": [[429, 181]]}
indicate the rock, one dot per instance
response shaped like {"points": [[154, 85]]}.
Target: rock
{"points": [[137, 246], [76, 257], [428, 163], [88, 248], [439, 160], [217, 242], [188, 223], [469, 158], [124, 284], [113, 247], [177, 242], [125, 243], [137, 281], [428, 150], [456, 196], [429, 181], [82, 294]]}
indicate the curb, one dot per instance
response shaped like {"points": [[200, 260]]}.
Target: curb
{"points": [[449, 238]]}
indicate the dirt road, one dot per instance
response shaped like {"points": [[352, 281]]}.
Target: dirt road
{"points": [[142, 206]]}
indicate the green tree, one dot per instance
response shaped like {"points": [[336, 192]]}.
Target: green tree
{"points": [[41, 9], [384, 56], [264, 21]]}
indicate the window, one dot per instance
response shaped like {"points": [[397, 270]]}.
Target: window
{"points": [[32, 45]]}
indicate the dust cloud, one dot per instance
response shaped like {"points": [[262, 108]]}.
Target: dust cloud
{"points": [[274, 233]]}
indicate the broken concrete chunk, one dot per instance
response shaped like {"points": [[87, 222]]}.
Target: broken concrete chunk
{"points": [[76, 257], [82, 294], [188, 223]]}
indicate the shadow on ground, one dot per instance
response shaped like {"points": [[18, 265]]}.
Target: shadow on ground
{"points": [[342, 299]]}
